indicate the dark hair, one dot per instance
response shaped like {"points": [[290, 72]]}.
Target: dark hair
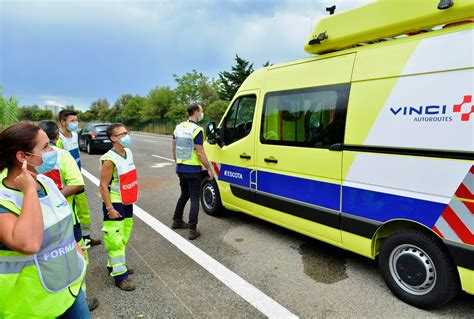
{"points": [[50, 127], [193, 108], [18, 137], [63, 114], [111, 129]]}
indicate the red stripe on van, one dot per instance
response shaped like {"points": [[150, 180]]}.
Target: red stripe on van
{"points": [[458, 226], [470, 206], [436, 230], [463, 192]]}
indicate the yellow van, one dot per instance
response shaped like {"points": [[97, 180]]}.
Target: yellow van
{"points": [[368, 146]]}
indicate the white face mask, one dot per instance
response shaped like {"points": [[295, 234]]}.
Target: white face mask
{"points": [[201, 117]]}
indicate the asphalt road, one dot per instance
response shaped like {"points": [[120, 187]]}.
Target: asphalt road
{"points": [[300, 275]]}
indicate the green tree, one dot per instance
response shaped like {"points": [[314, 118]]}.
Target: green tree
{"points": [[100, 109], [215, 110], [231, 81], [70, 107], [41, 115], [209, 92], [8, 110], [115, 112], [25, 113], [158, 102], [86, 116], [188, 87], [132, 112], [177, 112]]}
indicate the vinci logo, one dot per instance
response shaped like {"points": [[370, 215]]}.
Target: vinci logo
{"points": [[434, 113], [465, 116]]}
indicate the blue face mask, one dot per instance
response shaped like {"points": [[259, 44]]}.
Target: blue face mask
{"points": [[49, 160], [72, 127], [126, 140]]}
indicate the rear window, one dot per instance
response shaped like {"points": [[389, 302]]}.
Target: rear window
{"points": [[101, 128]]}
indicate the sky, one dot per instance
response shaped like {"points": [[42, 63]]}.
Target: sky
{"points": [[76, 51]]}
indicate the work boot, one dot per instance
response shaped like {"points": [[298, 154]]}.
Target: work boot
{"points": [[125, 284], [95, 242], [92, 241], [92, 303], [179, 224], [193, 234]]}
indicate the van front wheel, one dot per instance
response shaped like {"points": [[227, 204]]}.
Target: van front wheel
{"points": [[210, 197], [418, 269]]}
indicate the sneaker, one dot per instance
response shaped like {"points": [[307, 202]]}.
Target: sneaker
{"points": [[92, 303], [179, 224], [193, 234], [125, 284]]}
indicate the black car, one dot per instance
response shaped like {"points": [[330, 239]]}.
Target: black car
{"points": [[93, 137]]}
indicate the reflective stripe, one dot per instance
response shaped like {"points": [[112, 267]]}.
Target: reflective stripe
{"points": [[16, 259], [119, 269], [117, 260], [446, 230], [13, 267], [463, 213], [469, 182]]}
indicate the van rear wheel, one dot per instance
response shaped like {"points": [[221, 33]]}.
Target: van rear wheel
{"points": [[210, 197], [418, 269]]}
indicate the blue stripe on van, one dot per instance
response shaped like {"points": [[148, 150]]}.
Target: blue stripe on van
{"points": [[369, 204], [382, 206], [235, 175], [305, 190]]}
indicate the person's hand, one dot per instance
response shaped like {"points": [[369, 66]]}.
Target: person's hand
{"points": [[113, 213], [25, 180], [211, 174]]}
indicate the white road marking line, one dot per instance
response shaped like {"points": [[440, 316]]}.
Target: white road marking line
{"points": [[150, 141], [152, 136], [160, 165], [165, 158], [248, 292]]}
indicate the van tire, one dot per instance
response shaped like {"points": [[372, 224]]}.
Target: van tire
{"points": [[418, 269], [210, 197]]}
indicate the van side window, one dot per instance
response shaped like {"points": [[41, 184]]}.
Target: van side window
{"points": [[238, 122], [314, 117]]}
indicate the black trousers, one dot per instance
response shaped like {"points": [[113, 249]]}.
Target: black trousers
{"points": [[190, 184]]}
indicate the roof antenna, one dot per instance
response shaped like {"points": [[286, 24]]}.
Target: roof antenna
{"points": [[331, 9]]}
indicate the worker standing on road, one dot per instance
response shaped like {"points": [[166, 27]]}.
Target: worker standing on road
{"points": [[41, 264], [189, 155], [119, 190], [68, 178], [68, 140]]}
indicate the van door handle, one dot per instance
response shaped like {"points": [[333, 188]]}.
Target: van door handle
{"points": [[245, 156], [270, 159]]}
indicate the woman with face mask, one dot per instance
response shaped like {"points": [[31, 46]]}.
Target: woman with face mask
{"points": [[41, 265], [119, 190]]}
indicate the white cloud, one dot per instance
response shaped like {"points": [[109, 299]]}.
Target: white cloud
{"points": [[113, 37]]}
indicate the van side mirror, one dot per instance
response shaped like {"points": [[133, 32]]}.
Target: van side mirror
{"points": [[211, 133]]}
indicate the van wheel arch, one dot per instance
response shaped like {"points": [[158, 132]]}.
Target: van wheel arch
{"points": [[393, 226]]}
